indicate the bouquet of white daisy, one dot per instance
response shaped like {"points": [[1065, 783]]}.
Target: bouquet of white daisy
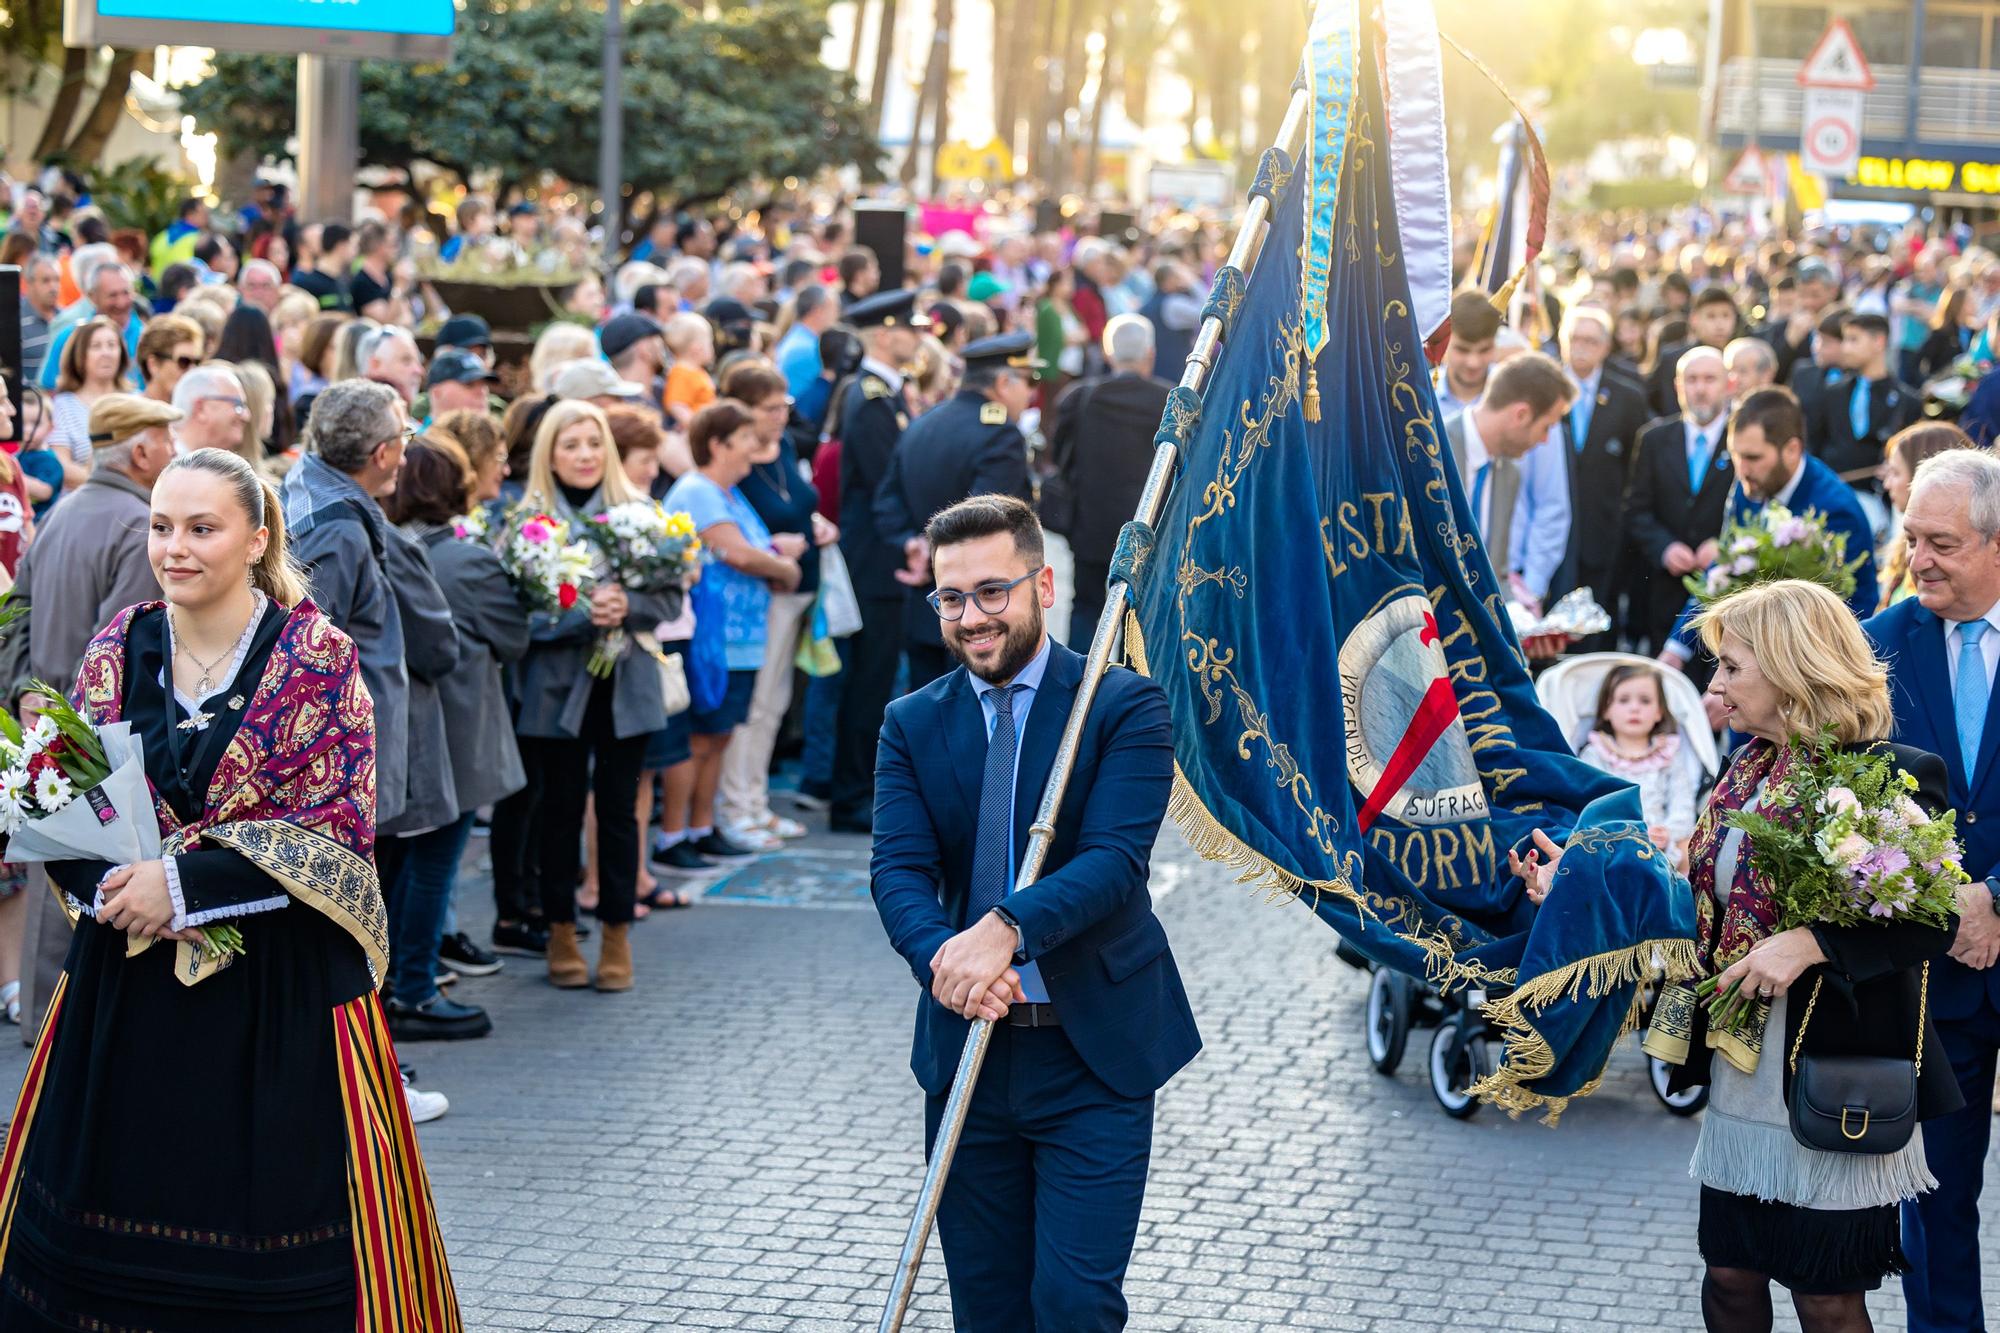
{"points": [[644, 548], [70, 791]]}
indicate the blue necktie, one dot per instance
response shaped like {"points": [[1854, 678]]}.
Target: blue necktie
{"points": [[1968, 698], [1479, 494], [1857, 409], [1579, 419], [993, 848], [1698, 461]]}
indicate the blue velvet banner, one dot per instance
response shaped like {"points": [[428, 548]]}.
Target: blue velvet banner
{"points": [[1355, 721]]}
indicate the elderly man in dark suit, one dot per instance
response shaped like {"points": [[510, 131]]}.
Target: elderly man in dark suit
{"points": [[1042, 1204], [1680, 485], [1102, 445], [1600, 437], [1942, 647]]}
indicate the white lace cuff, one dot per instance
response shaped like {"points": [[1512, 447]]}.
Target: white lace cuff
{"points": [[184, 919]]}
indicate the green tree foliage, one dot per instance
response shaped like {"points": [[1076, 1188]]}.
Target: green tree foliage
{"points": [[710, 101]]}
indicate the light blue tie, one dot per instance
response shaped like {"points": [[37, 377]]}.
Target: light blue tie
{"points": [[993, 845], [1579, 420], [1698, 461], [1857, 409], [1968, 699], [1479, 494]]}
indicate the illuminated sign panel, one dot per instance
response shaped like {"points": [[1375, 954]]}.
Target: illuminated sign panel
{"points": [[1927, 174], [391, 29]]}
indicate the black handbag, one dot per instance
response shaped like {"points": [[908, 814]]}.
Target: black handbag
{"points": [[1856, 1103]]}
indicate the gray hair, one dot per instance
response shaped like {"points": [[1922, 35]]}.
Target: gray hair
{"points": [[1756, 349], [40, 260], [261, 266], [736, 278], [97, 274], [85, 260], [204, 382], [625, 286], [349, 420], [1128, 340], [1973, 473], [687, 269], [375, 340], [1586, 314]]}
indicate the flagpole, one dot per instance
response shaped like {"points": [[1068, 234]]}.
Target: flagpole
{"points": [[1105, 644]]}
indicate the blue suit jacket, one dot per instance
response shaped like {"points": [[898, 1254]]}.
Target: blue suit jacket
{"points": [[1088, 922], [1912, 641], [1820, 489]]}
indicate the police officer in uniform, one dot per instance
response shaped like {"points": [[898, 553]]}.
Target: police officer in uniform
{"points": [[968, 445], [874, 413]]}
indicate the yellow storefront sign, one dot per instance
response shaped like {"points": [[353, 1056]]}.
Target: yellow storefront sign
{"points": [[960, 161], [1928, 174]]}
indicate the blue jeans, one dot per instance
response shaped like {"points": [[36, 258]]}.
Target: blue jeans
{"points": [[822, 712], [418, 902]]}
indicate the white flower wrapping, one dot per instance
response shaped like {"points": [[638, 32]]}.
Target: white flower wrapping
{"points": [[114, 821]]}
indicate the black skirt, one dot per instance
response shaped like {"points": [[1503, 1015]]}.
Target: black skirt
{"points": [[186, 1160], [1809, 1251]]}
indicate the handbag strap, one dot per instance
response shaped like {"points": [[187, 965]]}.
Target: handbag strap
{"points": [[1923, 1019]]}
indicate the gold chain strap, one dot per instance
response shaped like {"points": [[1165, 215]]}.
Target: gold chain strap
{"points": [[1923, 1019]]}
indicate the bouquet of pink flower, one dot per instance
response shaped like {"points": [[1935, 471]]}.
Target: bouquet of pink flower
{"points": [[1843, 843], [550, 570], [1777, 544]]}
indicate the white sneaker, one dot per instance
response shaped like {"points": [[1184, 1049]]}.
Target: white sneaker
{"points": [[424, 1106], [756, 839], [785, 828]]}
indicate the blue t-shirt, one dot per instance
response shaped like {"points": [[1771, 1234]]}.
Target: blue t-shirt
{"points": [[746, 600], [797, 355], [43, 466]]}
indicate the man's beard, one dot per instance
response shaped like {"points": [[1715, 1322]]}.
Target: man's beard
{"points": [[1017, 649]]}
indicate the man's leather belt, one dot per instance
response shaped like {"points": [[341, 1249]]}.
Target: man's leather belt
{"points": [[1033, 1016]]}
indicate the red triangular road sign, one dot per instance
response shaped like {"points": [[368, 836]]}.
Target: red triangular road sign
{"points": [[1836, 61], [1750, 175]]}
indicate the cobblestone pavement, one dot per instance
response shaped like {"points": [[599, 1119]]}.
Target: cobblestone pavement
{"points": [[735, 1144]]}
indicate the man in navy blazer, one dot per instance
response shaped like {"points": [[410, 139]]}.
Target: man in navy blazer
{"points": [[1767, 449], [1941, 647], [1042, 1203]]}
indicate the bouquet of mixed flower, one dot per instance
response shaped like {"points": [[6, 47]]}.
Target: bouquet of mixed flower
{"points": [[550, 570], [1847, 845], [1778, 544], [476, 526], [70, 791], [644, 549], [1953, 387]]}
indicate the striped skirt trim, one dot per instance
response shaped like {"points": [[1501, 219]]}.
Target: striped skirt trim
{"points": [[402, 1281], [24, 1116]]}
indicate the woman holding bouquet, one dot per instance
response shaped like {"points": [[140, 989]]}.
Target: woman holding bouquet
{"points": [[584, 733], [190, 1144], [1793, 666]]}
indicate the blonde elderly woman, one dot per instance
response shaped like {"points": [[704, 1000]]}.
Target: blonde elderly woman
{"points": [[558, 345], [1793, 664]]}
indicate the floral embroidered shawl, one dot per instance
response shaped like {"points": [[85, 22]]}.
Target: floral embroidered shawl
{"points": [[294, 793]]}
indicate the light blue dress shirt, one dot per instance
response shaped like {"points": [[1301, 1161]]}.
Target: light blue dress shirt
{"points": [[1029, 683]]}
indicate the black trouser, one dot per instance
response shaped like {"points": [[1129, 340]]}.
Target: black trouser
{"points": [[1087, 603], [928, 661], [515, 842], [871, 681], [568, 776]]}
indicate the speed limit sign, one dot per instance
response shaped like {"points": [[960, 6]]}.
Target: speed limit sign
{"points": [[1830, 139]]}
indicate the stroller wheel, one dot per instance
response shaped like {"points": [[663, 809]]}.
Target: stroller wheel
{"points": [[1687, 1101], [1388, 1022], [1458, 1060]]}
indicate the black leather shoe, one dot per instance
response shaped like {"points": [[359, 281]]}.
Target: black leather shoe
{"points": [[458, 952], [521, 938], [719, 846], [437, 1019]]}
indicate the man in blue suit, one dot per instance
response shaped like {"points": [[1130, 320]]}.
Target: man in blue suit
{"points": [[1941, 647], [1767, 449], [1042, 1203]]}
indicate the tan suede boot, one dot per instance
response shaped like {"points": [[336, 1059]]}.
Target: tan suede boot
{"points": [[614, 960], [566, 966]]}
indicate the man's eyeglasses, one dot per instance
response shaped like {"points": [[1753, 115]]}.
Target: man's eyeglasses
{"points": [[237, 406], [992, 598], [409, 432]]}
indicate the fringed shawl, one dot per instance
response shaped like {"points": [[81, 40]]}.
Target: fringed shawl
{"points": [[294, 793]]}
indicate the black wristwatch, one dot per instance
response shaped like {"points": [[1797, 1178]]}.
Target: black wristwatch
{"points": [[1993, 887], [1021, 939]]}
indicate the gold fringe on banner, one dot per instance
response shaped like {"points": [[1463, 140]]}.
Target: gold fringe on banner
{"points": [[1529, 1056]]}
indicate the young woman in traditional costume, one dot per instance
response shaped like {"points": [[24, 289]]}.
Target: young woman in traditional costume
{"points": [[204, 1144]]}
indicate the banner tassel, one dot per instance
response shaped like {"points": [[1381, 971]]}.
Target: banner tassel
{"points": [[1312, 393]]}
